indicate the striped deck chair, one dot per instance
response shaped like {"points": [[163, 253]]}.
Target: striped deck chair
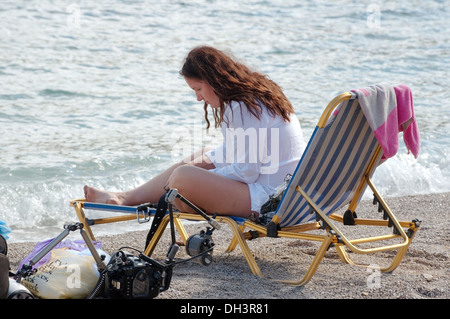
{"points": [[334, 171]]}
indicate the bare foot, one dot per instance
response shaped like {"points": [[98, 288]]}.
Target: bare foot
{"points": [[99, 196]]}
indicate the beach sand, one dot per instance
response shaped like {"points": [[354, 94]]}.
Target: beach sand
{"points": [[423, 273]]}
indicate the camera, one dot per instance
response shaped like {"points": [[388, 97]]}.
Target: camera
{"points": [[135, 277]]}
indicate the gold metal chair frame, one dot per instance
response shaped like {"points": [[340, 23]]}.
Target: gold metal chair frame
{"points": [[334, 237]]}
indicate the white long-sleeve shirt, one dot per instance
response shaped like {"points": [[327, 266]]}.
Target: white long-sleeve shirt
{"points": [[258, 152]]}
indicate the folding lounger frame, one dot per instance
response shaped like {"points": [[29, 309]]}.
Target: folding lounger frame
{"points": [[143, 212], [333, 237]]}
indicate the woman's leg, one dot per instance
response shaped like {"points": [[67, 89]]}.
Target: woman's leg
{"points": [[211, 192], [149, 192]]}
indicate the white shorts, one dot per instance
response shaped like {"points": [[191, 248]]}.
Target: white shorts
{"points": [[259, 194]]}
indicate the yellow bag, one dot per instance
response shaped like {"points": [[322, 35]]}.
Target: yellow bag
{"points": [[67, 275]]}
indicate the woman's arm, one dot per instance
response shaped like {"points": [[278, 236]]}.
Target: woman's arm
{"points": [[245, 140]]}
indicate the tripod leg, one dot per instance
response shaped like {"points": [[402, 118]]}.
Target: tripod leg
{"points": [[100, 264]]}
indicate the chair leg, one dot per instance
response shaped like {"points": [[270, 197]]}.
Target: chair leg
{"points": [[330, 238], [401, 253], [238, 238], [82, 218], [234, 241], [181, 230], [156, 237], [395, 262]]}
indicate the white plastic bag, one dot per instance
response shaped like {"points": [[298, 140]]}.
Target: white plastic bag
{"points": [[67, 275]]}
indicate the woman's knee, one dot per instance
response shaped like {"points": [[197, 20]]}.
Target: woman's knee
{"points": [[180, 177], [183, 180]]}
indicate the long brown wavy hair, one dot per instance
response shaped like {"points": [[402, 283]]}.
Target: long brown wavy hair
{"points": [[233, 81]]}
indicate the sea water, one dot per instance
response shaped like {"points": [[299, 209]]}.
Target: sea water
{"points": [[90, 91]]}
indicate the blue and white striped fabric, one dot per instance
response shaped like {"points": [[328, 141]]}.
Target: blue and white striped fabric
{"points": [[332, 165]]}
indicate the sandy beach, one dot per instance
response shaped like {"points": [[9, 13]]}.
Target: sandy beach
{"points": [[423, 273]]}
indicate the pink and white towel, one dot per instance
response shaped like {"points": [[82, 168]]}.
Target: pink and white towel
{"points": [[390, 110]]}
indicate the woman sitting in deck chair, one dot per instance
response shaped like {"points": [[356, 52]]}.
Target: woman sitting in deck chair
{"points": [[263, 142]]}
